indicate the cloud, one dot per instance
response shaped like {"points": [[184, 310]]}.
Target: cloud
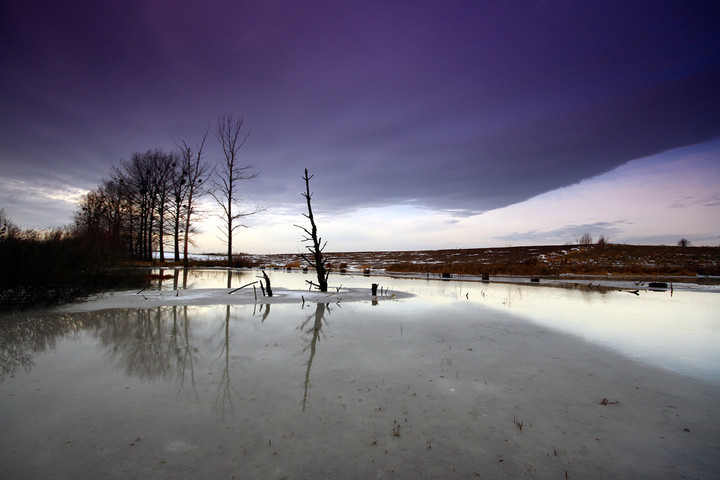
{"points": [[567, 233], [38, 203], [453, 109]]}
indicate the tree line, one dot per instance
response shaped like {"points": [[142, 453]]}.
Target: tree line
{"points": [[151, 199], [149, 202]]}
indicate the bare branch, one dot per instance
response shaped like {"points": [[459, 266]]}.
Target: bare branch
{"points": [[232, 138], [311, 235]]}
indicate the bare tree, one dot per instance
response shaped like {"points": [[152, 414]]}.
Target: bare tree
{"points": [[584, 239], [227, 180], [164, 165], [683, 242], [142, 196], [193, 170], [178, 192], [316, 258], [144, 180]]}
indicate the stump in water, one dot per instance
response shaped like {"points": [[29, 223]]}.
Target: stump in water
{"points": [[268, 288], [374, 288]]}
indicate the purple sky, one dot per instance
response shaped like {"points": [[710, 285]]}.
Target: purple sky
{"points": [[414, 111]]}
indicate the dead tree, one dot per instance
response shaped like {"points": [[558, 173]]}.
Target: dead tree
{"points": [[315, 258]]}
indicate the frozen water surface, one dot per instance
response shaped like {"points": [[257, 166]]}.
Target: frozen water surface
{"points": [[460, 381]]}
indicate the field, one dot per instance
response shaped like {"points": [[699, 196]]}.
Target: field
{"points": [[610, 259]]}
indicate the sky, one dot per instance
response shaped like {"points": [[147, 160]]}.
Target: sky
{"points": [[426, 124]]}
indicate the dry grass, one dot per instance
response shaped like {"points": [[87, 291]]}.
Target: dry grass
{"points": [[608, 259]]}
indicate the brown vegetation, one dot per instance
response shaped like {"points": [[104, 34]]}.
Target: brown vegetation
{"points": [[46, 268], [597, 259]]}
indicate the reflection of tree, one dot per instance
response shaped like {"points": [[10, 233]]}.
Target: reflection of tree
{"points": [[138, 343], [319, 317], [234, 274], [149, 344], [224, 393], [23, 336], [185, 352]]}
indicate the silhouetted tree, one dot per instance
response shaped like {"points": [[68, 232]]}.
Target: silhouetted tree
{"points": [[683, 242], [178, 192], [145, 184], [227, 180], [164, 165], [316, 258], [193, 171]]}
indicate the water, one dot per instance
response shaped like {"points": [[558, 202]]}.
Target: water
{"points": [[464, 379], [677, 330]]}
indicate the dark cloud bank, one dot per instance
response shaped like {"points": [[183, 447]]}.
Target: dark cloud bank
{"points": [[466, 106]]}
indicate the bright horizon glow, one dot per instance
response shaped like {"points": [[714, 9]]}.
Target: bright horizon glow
{"points": [[655, 200]]}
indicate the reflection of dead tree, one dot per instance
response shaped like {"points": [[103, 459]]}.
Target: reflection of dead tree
{"points": [[265, 309], [319, 317], [316, 260]]}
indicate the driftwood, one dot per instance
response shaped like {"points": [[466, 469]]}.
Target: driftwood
{"points": [[246, 285]]}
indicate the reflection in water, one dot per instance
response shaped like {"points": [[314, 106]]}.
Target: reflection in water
{"points": [[24, 336], [139, 344], [210, 391], [314, 330], [188, 278], [678, 332], [185, 351], [264, 309], [223, 399], [176, 285]]}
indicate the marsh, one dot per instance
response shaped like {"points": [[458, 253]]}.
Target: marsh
{"points": [[456, 380]]}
